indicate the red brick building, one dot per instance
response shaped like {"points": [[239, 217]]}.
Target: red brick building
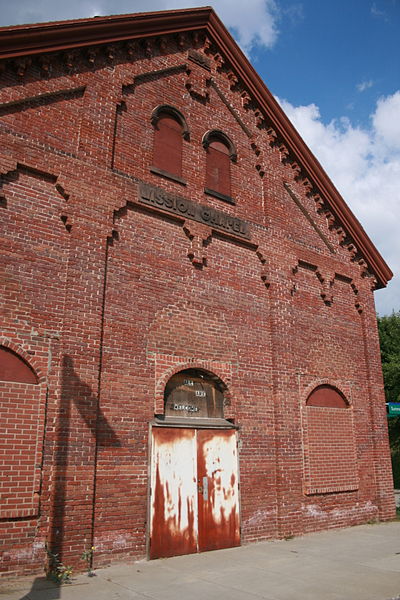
{"points": [[189, 351]]}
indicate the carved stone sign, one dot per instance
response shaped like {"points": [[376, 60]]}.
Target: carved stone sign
{"points": [[163, 200]]}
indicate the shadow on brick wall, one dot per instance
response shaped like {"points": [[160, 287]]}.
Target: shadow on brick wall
{"points": [[71, 521], [73, 517]]}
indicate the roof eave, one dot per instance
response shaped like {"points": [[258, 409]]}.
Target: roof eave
{"points": [[24, 40]]}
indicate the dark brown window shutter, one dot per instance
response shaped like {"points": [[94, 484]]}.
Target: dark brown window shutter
{"points": [[218, 171], [167, 152]]}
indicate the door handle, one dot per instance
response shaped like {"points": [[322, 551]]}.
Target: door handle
{"points": [[203, 489]]}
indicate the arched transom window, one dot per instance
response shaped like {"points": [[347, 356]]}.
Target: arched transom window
{"points": [[194, 393]]}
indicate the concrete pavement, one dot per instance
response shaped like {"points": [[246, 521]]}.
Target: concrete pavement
{"points": [[357, 563]]}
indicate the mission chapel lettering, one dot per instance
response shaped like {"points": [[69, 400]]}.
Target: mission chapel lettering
{"points": [[163, 200]]}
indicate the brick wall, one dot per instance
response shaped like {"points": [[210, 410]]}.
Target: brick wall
{"points": [[108, 297]]}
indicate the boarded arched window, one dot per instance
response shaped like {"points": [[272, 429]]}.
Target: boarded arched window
{"points": [[327, 396], [21, 432], [14, 368], [330, 460], [170, 129], [220, 152]]}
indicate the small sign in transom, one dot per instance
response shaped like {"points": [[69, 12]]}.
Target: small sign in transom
{"points": [[194, 393]]}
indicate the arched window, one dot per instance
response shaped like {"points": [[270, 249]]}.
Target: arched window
{"points": [[326, 396], [14, 368], [194, 393], [22, 400], [170, 129], [220, 153], [330, 458]]}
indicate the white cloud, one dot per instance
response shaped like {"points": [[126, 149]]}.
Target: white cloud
{"points": [[253, 23], [364, 85], [386, 121], [377, 12], [364, 164]]}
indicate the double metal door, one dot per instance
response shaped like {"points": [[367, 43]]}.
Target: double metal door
{"points": [[194, 502]]}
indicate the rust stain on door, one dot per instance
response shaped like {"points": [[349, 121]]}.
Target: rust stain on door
{"points": [[174, 493], [218, 502], [194, 501]]}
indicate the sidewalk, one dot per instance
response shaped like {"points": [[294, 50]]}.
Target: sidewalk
{"points": [[357, 563]]}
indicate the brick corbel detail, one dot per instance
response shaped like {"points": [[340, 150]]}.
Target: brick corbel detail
{"points": [[199, 236], [258, 147], [9, 165], [292, 280], [197, 82], [218, 61], [65, 216], [327, 280], [264, 271], [358, 296], [324, 276], [283, 151], [245, 99]]}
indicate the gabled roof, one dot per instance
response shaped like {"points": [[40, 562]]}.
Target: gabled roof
{"points": [[29, 40]]}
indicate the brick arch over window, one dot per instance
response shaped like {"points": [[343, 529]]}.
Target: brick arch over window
{"points": [[170, 129], [14, 368], [220, 153], [327, 396], [330, 458]]}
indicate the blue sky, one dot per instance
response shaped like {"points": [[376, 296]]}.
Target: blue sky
{"points": [[335, 68], [326, 50]]}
